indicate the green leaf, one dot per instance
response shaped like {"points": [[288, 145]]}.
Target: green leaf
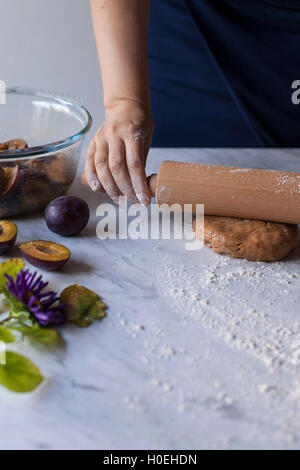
{"points": [[6, 336], [19, 374], [45, 336], [82, 306], [18, 310], [10, 267]]}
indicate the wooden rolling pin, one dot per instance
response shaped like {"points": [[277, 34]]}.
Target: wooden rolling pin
{"points": [[228, 191]]}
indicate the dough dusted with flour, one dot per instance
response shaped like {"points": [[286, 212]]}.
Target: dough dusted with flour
{"points": [[254, 240]]}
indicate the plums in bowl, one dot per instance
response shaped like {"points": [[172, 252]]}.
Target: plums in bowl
{"points": [[9, 180], [67, 215]]}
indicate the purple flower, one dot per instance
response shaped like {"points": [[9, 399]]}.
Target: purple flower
{"points": [[28, 289]]}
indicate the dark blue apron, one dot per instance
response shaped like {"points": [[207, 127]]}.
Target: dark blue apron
{"points": [[222, 70]]}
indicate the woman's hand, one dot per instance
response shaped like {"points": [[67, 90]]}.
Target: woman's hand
{"points": [[116, 157]]}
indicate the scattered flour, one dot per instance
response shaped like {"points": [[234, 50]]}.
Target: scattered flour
{"points": [[159, 351], [135, 404], [248, 307], [219, 299], [132, 329], [288, 183]]}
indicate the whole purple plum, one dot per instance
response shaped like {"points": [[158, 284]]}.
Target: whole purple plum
{"points": [[67, 215]]}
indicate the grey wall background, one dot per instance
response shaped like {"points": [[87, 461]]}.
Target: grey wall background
{"points": [[49, 44]]}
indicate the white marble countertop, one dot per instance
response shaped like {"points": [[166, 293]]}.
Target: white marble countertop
{"points": [[196, 351]]}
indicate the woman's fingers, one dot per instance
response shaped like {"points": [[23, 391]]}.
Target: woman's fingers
{"points": [[103, 171], [90, 170], [135, 159], [118, 169], [116, 157]]}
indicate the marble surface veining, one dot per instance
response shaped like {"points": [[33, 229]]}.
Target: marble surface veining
{"points": [[198, 351]]}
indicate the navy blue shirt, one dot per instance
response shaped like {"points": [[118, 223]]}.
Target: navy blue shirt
{"points": [[222, 72]]}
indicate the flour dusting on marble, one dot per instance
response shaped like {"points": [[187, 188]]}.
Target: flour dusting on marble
{"points": [[214, 298], [247, 307]]}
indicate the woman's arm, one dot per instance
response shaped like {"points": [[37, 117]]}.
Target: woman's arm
{"points": [[116, 156]]}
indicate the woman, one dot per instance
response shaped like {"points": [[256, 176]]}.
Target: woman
{"points": [[220, 70]]}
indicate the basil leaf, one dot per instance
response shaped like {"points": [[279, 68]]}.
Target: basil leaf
{"points": [[82, 306], [39, 335], [19, 374]]}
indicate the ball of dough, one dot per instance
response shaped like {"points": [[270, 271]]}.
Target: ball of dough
{"points": [[254, 240]]}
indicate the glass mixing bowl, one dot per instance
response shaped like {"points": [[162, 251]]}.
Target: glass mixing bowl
{"points": [[41, 137]]}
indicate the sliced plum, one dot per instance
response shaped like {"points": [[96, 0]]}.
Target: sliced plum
{"points": [[14, 144], [9, 180], [2, 180], [17, 144], [36, 192], [58, 168], [8, 235], [46, 255]]}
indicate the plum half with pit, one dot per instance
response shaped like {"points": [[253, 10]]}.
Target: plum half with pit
{"points": [[67, 215], [8, 235], [45, 255]]}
